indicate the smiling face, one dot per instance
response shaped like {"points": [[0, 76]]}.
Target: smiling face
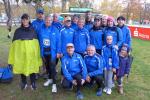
{"points": [[81, 23], [68, 23], [120, 22], [40, 16], [91, 50], [48, 21], [70, 50], [109, 39], [25, 22], [110, 23], [97, 23]]}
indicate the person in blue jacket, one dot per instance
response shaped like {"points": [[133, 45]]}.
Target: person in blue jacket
{"points": [[124, 66], [88, 20], [94, 65], [67, 34], [125, 31], [81, 38], [49, 37], [110, 55], [36, 24], [96, 34], [56, 22], [114, 31], [74, 22], [74, 70]]}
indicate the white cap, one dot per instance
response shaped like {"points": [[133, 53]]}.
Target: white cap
{"points": [[70, 45]]}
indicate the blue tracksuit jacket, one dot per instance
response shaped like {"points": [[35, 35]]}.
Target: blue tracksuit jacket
{"points": [[94, 65], [81, 40], [67, 34], [58, 25], [49, 38], [110, 56], [72, 65]]}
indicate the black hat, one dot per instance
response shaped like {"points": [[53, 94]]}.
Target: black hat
{"points": [[121, 18], [25, 16]]}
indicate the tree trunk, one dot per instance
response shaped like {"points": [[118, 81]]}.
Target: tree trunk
{"points": [[8, 12]]}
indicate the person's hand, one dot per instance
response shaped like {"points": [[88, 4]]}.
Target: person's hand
{"points": [[115, 77], [113, 70], [82, 81], [116, 46], [126, 75], [74, 82], [58, 55], [88, 79]]}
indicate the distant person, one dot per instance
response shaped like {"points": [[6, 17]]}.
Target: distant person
{"points": [[74, 70], [88, 20], [74, 23], [125, 31], [67, 34], [114, 31], [94, 64], [24, 54], [110, 55], [49, 37], [39, 20], [56, 21], [96, 34], [81, 38], [104, 21]]}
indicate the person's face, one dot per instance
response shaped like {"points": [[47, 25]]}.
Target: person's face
{"points": [[75, 20], [121, 22], [109, 39], [25, 22], [89, 16], [81, 23], [48, 21], [97, 23], [110, 23], [91, 51], [123, 53], [104, 21], [40, 15], [68, 23], [55, 18], [70, 50]]}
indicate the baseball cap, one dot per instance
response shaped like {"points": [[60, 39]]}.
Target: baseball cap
{"points": [[70, 45], [40, 10], [68, 18]]}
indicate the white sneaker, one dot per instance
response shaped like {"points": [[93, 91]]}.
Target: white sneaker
{"points": [[48, 82], [54, 88], [108, 91], [105, 90]]}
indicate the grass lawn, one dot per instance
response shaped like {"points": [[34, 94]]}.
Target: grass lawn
{"points": [[138, 87]]}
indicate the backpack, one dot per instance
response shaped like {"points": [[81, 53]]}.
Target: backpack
{"points": [[6, 74]]}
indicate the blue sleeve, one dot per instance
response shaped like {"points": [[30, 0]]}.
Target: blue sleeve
{"points": [[83, 66], [65, 70], [120, 37], [99, 70], [58, 41], [103, 57], [115, 59], [40, 42], [129, 39]]}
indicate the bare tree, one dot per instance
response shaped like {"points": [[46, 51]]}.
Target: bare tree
{"points": [[8, 12]]}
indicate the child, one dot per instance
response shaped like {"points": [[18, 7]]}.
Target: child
{"points": [[124, 67], [94, 64], [110, 55]]}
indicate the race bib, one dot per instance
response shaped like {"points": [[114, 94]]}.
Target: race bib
{"points": [[110, 62], [46, 42]]}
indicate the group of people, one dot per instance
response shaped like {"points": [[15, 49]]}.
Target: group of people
{"points": [[91, 51]]}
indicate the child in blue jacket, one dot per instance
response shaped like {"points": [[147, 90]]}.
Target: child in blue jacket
{"points": [[94, 64], [124, 67], [110, 55]]}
